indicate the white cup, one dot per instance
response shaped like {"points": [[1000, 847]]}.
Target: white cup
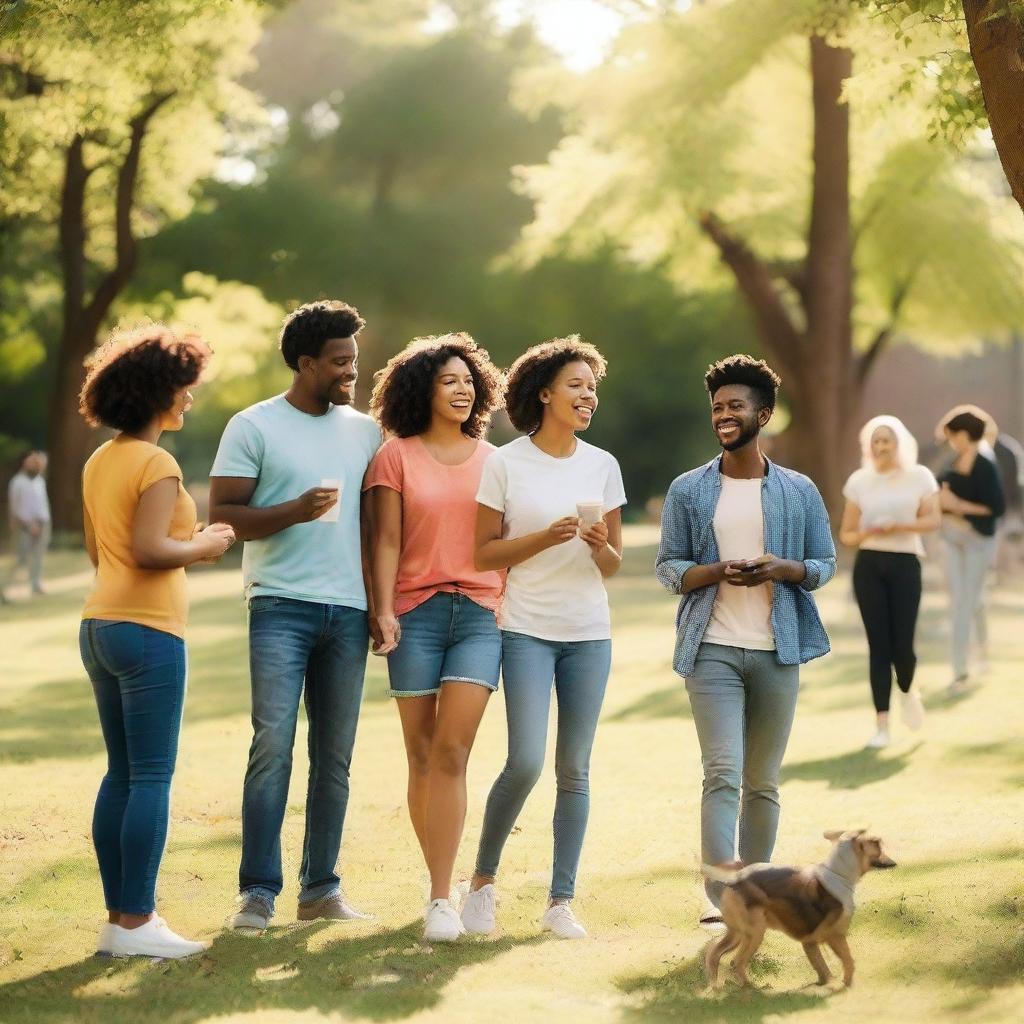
{"points": [[589, 512], [334, 512]]}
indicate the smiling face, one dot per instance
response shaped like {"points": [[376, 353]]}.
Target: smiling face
{"points": [[332, 375], [571, 400], [454, 392], [884, 448], [174, 418], [735, 416]]}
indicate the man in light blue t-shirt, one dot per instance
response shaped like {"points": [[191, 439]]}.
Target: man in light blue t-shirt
{"points": [[288, 477]]}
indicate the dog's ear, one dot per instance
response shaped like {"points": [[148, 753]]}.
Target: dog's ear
{"points": [[858, 832], [833, 834]]}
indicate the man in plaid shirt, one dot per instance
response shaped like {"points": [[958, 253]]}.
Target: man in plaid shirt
{"points": [[744, 542]]}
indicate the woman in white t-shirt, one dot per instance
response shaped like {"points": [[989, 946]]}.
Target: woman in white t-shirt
{"points": [[890, 501], [549, 512]]}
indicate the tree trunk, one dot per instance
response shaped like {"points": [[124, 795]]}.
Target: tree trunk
{"points": [[997, 47], [69, 437], [822, 378], [825, 379]]}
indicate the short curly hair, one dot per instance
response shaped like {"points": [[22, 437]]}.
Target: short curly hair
{"points": [[537, 368], [307, 329], [756, 374], [134, 376], [402, 390]]}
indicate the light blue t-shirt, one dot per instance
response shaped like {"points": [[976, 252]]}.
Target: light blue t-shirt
{"points": [[288, 451]]}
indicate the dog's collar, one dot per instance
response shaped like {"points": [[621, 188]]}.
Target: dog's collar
{"points": [[840, 873]]}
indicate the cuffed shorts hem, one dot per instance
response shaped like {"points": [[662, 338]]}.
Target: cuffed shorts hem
{"points": [[493, 687]]}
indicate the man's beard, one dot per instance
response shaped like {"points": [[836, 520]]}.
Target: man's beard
{"points": [[748, 431]]}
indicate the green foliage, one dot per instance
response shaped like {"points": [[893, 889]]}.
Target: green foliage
{"points": [[710, 110]]}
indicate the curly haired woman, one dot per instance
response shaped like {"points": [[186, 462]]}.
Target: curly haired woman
{"points": [[435, 610], [140, 532], [549, 512]]}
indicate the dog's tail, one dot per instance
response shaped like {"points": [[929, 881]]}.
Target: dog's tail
{"points": [[728, 876], [752, 893]]}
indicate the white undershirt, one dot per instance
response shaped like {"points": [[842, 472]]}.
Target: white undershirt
{"points": [[742, 616]]}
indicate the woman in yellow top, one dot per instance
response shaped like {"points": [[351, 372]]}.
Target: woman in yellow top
{"points": [[140, 532]]}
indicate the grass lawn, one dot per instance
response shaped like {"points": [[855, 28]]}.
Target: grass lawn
{"points": [[941, 938]]}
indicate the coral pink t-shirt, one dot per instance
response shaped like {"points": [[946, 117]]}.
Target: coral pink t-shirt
{"points": [[438, 523]]}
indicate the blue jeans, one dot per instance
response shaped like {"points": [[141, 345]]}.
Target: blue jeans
{"points": [[138, 677], [316, 651], [580, 673], [743, 704], [447, 638]]}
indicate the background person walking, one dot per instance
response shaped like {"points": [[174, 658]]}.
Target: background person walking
{"points": [[890, 501], [972, 502], [28, 509]]}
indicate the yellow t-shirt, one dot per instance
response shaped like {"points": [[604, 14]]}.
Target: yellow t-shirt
{"points": [[113, 480]]}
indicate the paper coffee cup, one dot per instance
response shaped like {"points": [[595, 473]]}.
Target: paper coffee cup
{"points": [[334, 512], [589, 512]]}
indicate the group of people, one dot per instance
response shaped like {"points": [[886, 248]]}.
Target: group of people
{"points": [[464, 565]]}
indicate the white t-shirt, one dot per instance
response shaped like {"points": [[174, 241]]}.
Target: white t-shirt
{"points": [[558, 594], [892, 497], [741, 616]]}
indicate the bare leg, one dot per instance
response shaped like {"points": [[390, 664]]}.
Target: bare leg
{"points": [[418, 714], [813, 951], [842, 950], [460, 707]]}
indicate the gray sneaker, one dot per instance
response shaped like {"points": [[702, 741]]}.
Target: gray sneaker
{"points": [[254, 911], [330, 908]]}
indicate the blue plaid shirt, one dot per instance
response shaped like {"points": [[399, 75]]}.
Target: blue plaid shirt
{"points": [[795, 527]]}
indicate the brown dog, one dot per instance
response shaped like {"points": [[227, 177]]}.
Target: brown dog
{"points": [[812, 905]]}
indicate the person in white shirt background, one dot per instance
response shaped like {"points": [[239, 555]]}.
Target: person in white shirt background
{"points": [[890, 501], [549, 511], [28, 507]]}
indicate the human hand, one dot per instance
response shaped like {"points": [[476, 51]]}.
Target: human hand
{"points": [[215, 539], [386, 634], [752, 572], [562, 530], [312, 504], [595, 535]]}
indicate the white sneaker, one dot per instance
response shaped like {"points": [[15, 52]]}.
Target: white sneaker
{"points": [[478, 910], [711, 918], [879, 740], [456, 896], [562, 921], [912, 710], [442, 923], [153, 938], [105, 941]]}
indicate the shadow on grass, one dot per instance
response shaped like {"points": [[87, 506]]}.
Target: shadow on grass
{"points": [[383, 975], [849, 771], [669, 702], [680, 994]]}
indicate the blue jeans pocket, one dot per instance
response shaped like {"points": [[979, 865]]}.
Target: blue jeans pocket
{"points": [[120, 646]]}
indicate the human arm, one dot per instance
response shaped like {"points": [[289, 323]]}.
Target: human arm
{"points": [[154, 548], [605, 541], [492, 552], [850, 532], [229, 503], [386, 547], [676, 566]]}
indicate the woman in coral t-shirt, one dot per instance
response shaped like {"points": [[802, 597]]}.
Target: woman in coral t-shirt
{"points": [[434, 610]]}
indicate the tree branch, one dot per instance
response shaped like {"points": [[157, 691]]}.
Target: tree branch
{"points": [[126, 247], [775, 326], [866, 362]]}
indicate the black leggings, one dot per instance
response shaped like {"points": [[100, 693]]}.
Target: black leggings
{"points": [[888, 589]]}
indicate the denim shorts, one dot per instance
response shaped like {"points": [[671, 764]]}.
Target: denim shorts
{"points": [[447, 638]]}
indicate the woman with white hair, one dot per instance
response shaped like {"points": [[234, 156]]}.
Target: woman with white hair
{"points": [[890, 501]]}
